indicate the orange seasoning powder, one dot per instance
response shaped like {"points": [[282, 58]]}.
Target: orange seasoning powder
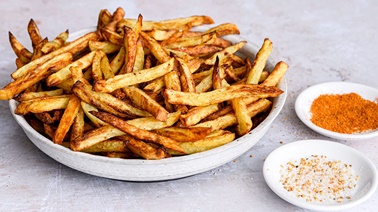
{"points": [[344, 113]]}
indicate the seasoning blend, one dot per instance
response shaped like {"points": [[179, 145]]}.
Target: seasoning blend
{"points": [[344, 113]]}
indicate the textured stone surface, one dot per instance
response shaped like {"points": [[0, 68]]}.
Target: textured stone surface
{"points": [[322, 41]]}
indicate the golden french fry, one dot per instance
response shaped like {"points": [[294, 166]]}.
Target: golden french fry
{"points": [[96, 66], [200, 50], [78, 125], [72, 48], [130, 44], [150, 123], [33, 77], [104, 46], [161, 35], [225, 52], [106, 102], [259, 63], [118, 14], [145, 150], [37, 53], [196, 114], [104, 18], [58, 42], [184, 134], [111, 145], [65, 73], [95, 136], [21, 52], [277, 74], [224, 29], [86, 109], [176, 35], [208, 143], [38, 94], [167, 24], [138, 26], [156, 49], [118, 60], [112, 36], [139, 57], [193, 41], [34, 34], [244, 120], [105, 67], [145, 102], [187, 81], [137, 132], [43, 104], [134, 78], [219, 42], [48, 118], [67, 119], [220, 95]]}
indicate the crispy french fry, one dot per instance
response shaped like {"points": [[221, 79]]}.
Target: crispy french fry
{"points": [[43, 104], [104, 18], [58, 42], [111, 145], [78, 125], [68, 117], [65, 73], [124, 80], [105, 67], [161, 35], [86, 109], [142, 100], [208, 142], [130, 44], [112, 37], [48, 118], [277, 74], [176, 35], [227, 51], [187, 81], [184, 134], [33, 77], [72, 48], [138, 26], [106, 102], [118, 60], [139, 57], [34, 34], [33, 95], [96, 66], [138, 133], [168, 24], [200, 50], [220, 95], [156, 49], [184, 42], [224, 29], [150, 123], [196, 114], [104, 46], [259, 63], [244, 120], [21, 52]]}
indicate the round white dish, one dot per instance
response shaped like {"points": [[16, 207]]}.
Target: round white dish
{"points": [[363, 167], [156, 170], [306, 97]]}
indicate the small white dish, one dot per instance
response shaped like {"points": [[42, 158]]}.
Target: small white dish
{"points": [[305, 98], [363, 167]]}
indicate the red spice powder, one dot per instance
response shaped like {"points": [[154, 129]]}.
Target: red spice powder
{"points": [[344, 113]]}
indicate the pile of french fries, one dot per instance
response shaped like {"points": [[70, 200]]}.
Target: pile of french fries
{"points": [[142, 89]]}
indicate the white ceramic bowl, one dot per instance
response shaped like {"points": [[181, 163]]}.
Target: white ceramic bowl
{"points": [[155, 170], [363, 167], [306, 97]]}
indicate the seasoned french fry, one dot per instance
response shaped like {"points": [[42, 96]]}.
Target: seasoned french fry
{"points": [[259, 63], [196, 114], [142, 100], [72, 48], [224, 29], [138, 133], [104, 46], [58, 42], [104, 18], [34, 34], [78, 125], [156, 49], [227, 51], [118, 60], [124, 80], [67, 119], [24, 54], [220, 95], [130, 44], [96, 66], [105, 67], [200, 50], [43, 104], [277, 74], [146, 151], [184, 134], [187, 81], [167, 24], [33, 95]]}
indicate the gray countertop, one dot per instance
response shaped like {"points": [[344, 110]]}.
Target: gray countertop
{"points": [[321, 41]]}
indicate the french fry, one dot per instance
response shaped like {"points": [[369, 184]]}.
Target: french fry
{"points": [[187, 81], [244, 120], [43, 104], [48, 118], [118, 61], [130, 44], [224, 29], [184, 42], [138, 133], [200, 50], [134, 78], [277, 74], [34, 34], [104, 46], [145, 102], [67, 119], [167, 24], [110, 145], [96, 65], [105, 67], [58, 42], [138, 26], [259, 63], [72, 48], [156, 49], [65, 73], [208, 142], [78, 125], [33, 77], [104, 18], [33, 95], [106, 102], [37, 53], [227, 51], [161, 35], [139, 57], [184, 134], [220, 95], [196, 114], [176, 35], [21, 52]]}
